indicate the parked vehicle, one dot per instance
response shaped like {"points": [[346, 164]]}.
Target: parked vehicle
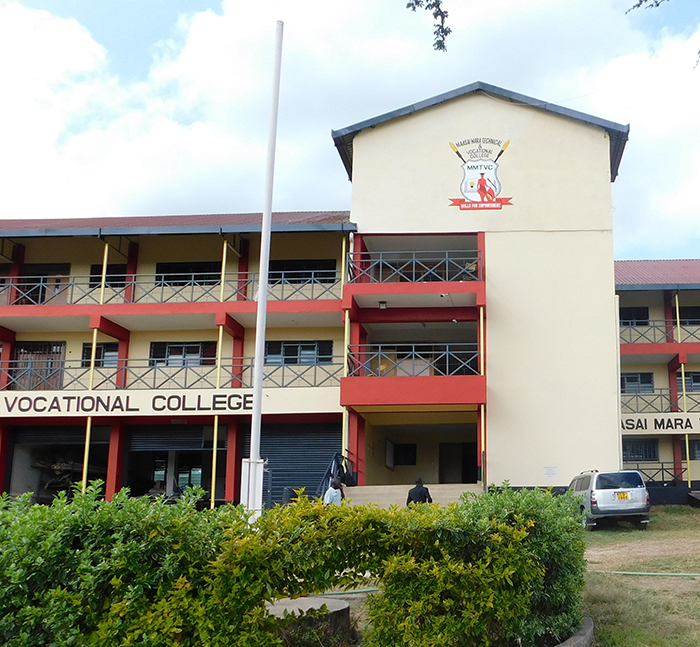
{"points": [[621, 496]]}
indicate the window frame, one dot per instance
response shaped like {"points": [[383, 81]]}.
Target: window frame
{"points": [[647, 449], [322, 352], [645, 385]]}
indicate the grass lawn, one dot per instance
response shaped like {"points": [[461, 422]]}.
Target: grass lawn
{"points": [[646, 611]]}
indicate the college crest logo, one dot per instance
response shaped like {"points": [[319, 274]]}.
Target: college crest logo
{"points": [[480, 186]]}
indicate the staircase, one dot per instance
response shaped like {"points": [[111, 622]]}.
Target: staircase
{"points": [[388, 495]]}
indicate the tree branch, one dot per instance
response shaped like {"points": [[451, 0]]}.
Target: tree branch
{"points": [[442, 31]]}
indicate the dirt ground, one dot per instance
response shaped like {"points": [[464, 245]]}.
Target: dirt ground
{"points": [[621, 556]]}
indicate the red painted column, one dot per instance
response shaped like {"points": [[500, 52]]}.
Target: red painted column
{"points": [[7, 338], [132, 263], [243, 263], [4, 454], [673, 383], [237, 367], [115, 461], [16, 271], [122, 363], [678, 456], [233, 461], [356, 442], [669, 315], [481, 244]]}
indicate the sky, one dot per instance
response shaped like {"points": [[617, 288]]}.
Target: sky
{"points": [[158, 107]]}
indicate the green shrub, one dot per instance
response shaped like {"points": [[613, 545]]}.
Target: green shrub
{"points": [[498, 569]]}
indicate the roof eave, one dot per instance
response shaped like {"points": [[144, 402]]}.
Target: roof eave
{"points": [[343, 138], [189, 229]]}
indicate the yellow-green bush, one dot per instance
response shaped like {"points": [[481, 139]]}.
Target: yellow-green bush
{"points": [[504, 568]]}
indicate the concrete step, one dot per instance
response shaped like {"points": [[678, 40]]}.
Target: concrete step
{"points": [[388, 495]]}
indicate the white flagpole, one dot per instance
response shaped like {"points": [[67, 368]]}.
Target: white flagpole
{"points": [[252, 469]]}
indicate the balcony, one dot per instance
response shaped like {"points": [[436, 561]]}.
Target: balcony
{"points": [[67, 375], [170, 288], [660, 401], [414, 266], [406, 375], [413, 360], [658, 332]]}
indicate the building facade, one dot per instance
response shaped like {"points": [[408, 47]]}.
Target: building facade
{"points": [[459, 323], [660, 368]]}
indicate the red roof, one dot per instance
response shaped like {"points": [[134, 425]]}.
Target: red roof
{"points": [[676, 272], [218, 219]]}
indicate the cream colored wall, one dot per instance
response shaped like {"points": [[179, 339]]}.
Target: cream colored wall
{"points": [[653, 299], [427, 453], [660, 372], [288, 246], [185, 248], [79, 253], [552, 385], [337, 335], [140, 343], [557, 170], [74, 340]]}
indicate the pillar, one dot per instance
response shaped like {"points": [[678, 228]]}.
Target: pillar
{"points": [[132, 261], [243, 262], [115, 460], [356, 444], [234, 456], [4, 455]]}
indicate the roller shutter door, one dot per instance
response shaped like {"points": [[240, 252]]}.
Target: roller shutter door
{"points": [[297, 455], [62, 435]]}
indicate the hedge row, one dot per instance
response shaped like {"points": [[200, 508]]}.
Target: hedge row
{"points": [[504, 568]]}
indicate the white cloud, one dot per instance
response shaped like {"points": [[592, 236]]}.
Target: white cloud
{"points": [[190, 138]]}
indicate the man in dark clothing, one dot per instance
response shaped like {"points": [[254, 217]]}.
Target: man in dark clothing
{"points": [[419, 494]]}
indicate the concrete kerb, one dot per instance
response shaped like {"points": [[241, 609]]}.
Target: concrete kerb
{"points": [[339, 616], [583, 637], [338, 610]]}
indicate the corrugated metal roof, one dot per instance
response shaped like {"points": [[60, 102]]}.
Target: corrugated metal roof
{"points": [[205, 223], [619, 133], [665, 274]]}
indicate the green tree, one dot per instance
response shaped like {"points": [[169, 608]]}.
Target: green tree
{"points": [[442, 31]]}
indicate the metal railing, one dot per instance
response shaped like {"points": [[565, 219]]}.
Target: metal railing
{"points": [[659, 473], [168, 288], [66, 375], [414, 267], [657, 332], [411, 360], [659, 401]]}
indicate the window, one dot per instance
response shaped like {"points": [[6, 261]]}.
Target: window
{"points": [[307, 353], [303, 271], [637, 383], [636, 450], [38, 365], [692, 381], [405, 453], [689, 315], [198, 353], [192, 273], [106, 355], [694, 450], [115, 277], [638, 316]]}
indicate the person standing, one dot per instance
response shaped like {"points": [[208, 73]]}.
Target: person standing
{"points": [[334, 494], [419, 493]]}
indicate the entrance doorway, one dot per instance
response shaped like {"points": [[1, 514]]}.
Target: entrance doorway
{"points": [[457, 462]]}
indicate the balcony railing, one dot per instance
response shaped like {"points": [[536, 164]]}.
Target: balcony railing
{"points": [[660, 401], [410, 360], [657, 332], [658, 473], [414, 267], [170, 288], [67, 375]]}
